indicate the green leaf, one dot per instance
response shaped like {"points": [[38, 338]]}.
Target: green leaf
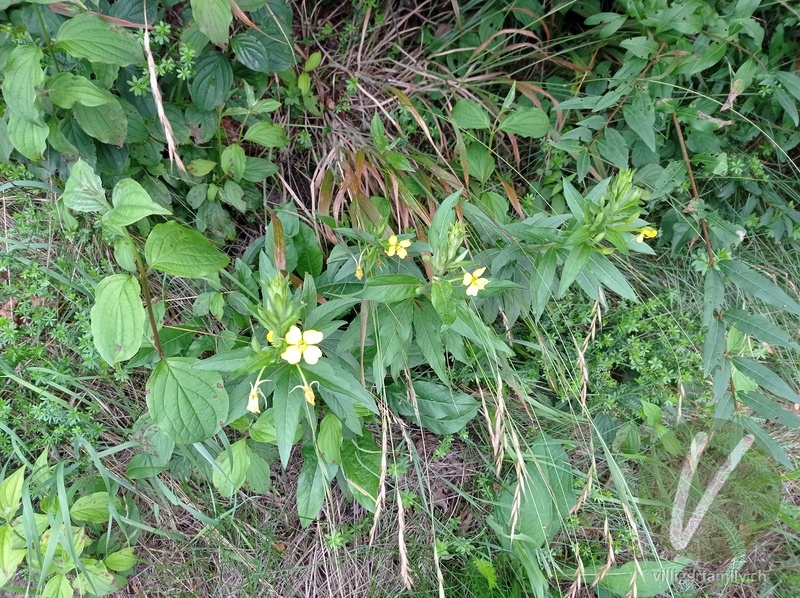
{"points": [[608, 274], [23, 73], [58, 587], [258, 169], [641, 119], [95, 39], [232, 471], [713, 346], [263, 429], [107, 123], [469, 114], [121, 560], [441, 298], [435, 407], [788, 104], [84, 190], [233, 161], [790, 82], [575, 201], [542, 278], [214, 19], [480, 161], [95, 579], [311, 486], [769, 409], [758, 285], [760, 327], [9, 557], [131, 204], [267, 135], [649, 578], [200, 167], [613, 147], [287, 401], [187, 403], [337, 379], [527, 122], [181, 251], [544, 501], [309, 254], [117, 318], [29, 138], [250, 51], [11, 493], [766, 378], [92, 508], [391, 288], [428, 335], [232, 194], [258, 474], [442, 221], [378, 133], [329, 438], [713, 295], [361, 466], [765, 441], [574, 264], [65, 89], [641, 47], [212, 81]]}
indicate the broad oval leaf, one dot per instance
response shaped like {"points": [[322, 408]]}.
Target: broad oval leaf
{"points": [[92, 508], [435, 407], [65, 89], [469, 114], [29, 138], [232, 471], [214, 19], [391, 288], [361, 466], [212, 81], [117, 318], [266, 134], [250, 52], [187, 403], [95, 39], [107, 123], [311, 486], [23, 73], [181, 251], [84, 190], [527, 122], [131, 204]]}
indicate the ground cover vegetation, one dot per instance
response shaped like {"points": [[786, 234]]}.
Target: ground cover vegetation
{"points": [[399, 298]]}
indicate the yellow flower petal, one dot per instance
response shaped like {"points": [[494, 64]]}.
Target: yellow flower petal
{"points": [[478, 272], [270, 337], [481, 283], [640, 238], [392, 240], [292, 355], [401, 252], [252, 402], [294, 335], [391, 251], [472, 290], [405, 243], [308, 393], [312, 354], [312, 337], [467, 279]]}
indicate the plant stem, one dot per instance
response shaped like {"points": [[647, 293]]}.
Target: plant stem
{"points": [[695, 193], [148, 301]]}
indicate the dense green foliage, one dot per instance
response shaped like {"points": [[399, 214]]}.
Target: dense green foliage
{"points": [[539, 245]]}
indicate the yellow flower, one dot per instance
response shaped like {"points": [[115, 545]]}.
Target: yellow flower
{"points": [[270, 337], [359, 273], [302, 345], [308, 393], [648, 232], [252, 399], [474, 282], [398, 247]]}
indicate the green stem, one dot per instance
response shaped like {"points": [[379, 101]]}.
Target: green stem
{"points": [[44, 27], [148, 301]]}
